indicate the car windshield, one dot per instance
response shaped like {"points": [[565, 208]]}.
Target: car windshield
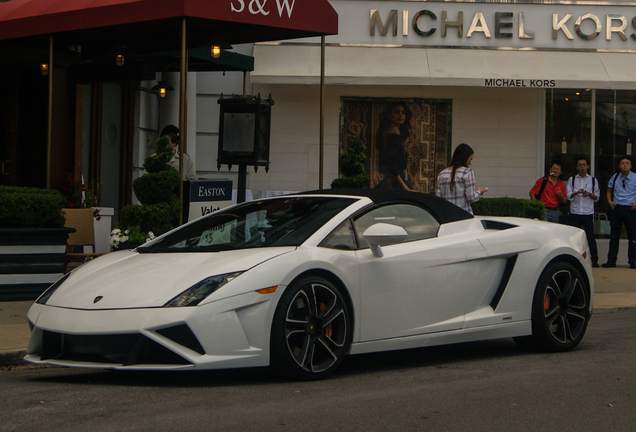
{"points": [[287, 221]]}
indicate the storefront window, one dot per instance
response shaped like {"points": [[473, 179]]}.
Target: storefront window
{"points": [[568, 127], [615, 129], [568, 133]]}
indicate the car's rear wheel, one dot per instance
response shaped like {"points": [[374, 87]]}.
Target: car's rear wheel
{"points": [[560, 309], [311, 331]]}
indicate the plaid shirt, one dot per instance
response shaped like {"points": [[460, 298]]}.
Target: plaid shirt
{"points": [[463, 192]]}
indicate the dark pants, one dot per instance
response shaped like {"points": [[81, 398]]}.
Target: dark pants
{"points": [[586, 223], [618, 216]]}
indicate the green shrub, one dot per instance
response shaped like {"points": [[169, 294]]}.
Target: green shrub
{"points": [[506, 206], [153, 188], [534, 209], [30, 208], [155, 218], [160, 205], [352, 167]]}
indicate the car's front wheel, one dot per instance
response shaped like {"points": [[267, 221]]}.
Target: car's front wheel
{"points": [[560, 309], [311, 331]]}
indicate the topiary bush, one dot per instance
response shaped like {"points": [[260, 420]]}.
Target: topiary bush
{"points": [[507, 206], [155, 190], [352, 167], [23, 207]]}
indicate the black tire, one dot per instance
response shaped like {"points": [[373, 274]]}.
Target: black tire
{"points": [[311, 330], [560, 309]]}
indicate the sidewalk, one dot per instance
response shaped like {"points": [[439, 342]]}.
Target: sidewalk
{"points": [[613, 288]]}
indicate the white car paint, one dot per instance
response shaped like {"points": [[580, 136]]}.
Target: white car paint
{"points": [[419, 293]]}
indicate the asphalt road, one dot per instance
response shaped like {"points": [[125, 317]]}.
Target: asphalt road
{"points": [[491, 386]]}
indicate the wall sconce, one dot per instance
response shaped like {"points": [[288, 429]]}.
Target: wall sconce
{"points": [[44, 69], [119, 59], [161, 88], [215, 51]]}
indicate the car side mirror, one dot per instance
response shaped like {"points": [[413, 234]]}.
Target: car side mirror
{"points": [[382, 234]]}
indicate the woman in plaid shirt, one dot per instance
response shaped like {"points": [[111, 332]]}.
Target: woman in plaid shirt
{"points": [[456, 183]]}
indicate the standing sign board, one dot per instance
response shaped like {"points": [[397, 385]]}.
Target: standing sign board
{"points": [[205, 197]]}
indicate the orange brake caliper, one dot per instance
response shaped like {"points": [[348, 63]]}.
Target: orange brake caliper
{"points": [[546, 302], [328, 329]]}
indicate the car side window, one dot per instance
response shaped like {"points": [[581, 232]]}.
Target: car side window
{"points": [[342, 237], [418, 223]]}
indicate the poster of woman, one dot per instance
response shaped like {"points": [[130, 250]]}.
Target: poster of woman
{"points": [[406, 140]]}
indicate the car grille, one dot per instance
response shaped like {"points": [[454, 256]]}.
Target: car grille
{"points": [[125, 349], [182, 335]]}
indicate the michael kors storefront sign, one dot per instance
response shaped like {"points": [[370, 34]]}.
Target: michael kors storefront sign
{"points": [[537, 24], [424, 24]]}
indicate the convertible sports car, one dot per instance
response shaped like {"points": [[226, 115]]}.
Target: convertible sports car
{"points": [[300, 281]]}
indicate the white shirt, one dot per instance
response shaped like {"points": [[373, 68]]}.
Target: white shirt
{"points": [[188, 166], [581, 205]]}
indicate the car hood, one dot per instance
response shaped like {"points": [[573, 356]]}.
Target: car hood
{"points": [[128, 279]]}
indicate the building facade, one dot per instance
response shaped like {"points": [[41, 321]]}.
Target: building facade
{"points": [[525, 83]]}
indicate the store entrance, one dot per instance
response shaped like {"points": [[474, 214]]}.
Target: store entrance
{"points": [[23, 110]]}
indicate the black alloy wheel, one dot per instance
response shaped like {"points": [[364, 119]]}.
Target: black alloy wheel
{"points": [[560, 309], [311, 331]]}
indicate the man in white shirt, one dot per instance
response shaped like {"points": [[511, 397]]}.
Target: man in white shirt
{"points": [[172, 132], [583, 191]]}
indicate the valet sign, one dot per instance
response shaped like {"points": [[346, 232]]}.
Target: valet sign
{"points": [[208, 196]]}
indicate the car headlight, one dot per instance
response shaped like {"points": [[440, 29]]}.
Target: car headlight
{"points": [[199, 291], [46, 295]]}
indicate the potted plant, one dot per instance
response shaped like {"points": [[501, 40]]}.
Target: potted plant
{"points": [[32, 241], [352, 167], [160, 205]]}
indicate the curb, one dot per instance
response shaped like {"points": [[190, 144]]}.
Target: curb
{"points": [[12, 359]]}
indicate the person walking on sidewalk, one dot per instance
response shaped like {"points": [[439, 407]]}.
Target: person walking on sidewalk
{"points": [[583, 191], [621, 197], [551, 191]]}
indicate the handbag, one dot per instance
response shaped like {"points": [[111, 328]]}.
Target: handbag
{"points": [[601, 224]]}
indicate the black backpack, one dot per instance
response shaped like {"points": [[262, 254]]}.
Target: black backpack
{"points": [[614, 182], [545, 182]]}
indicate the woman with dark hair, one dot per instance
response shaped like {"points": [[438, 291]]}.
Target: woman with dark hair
{"points": [[393, 131], [456, 183]]}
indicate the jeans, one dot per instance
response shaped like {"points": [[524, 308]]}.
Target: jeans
{"points": [[618, 216], [586, 223], [552, 215]]}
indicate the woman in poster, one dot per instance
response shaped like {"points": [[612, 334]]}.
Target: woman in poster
{"points": [[393, 131]]}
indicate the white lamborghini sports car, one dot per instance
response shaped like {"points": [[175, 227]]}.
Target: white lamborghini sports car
{"points": [[298, 282]]}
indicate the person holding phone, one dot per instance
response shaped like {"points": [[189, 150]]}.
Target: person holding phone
{"points": [[582, 192], [456, 183]]}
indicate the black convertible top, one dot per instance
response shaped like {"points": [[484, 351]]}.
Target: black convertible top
{"points": [[441, 209]]}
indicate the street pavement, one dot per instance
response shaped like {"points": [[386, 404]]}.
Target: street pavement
{"points": [[614, 288]]}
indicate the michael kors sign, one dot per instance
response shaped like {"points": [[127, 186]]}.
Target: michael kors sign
{"points": [[424, 24], [539, 24]]}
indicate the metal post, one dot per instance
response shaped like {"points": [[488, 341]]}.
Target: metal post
{"points": [[49, 132], [322, 111], [242, 184], [183, 75]]}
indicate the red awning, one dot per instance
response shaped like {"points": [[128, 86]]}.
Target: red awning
{"points": [[234, 21]]}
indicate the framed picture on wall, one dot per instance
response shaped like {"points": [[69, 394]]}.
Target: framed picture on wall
{"points": [[406, 140]]}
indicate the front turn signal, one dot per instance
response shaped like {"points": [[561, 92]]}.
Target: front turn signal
{"points": [[269, 290]]}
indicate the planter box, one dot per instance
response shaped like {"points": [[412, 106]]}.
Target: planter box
{"points": [[31, 259]]}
